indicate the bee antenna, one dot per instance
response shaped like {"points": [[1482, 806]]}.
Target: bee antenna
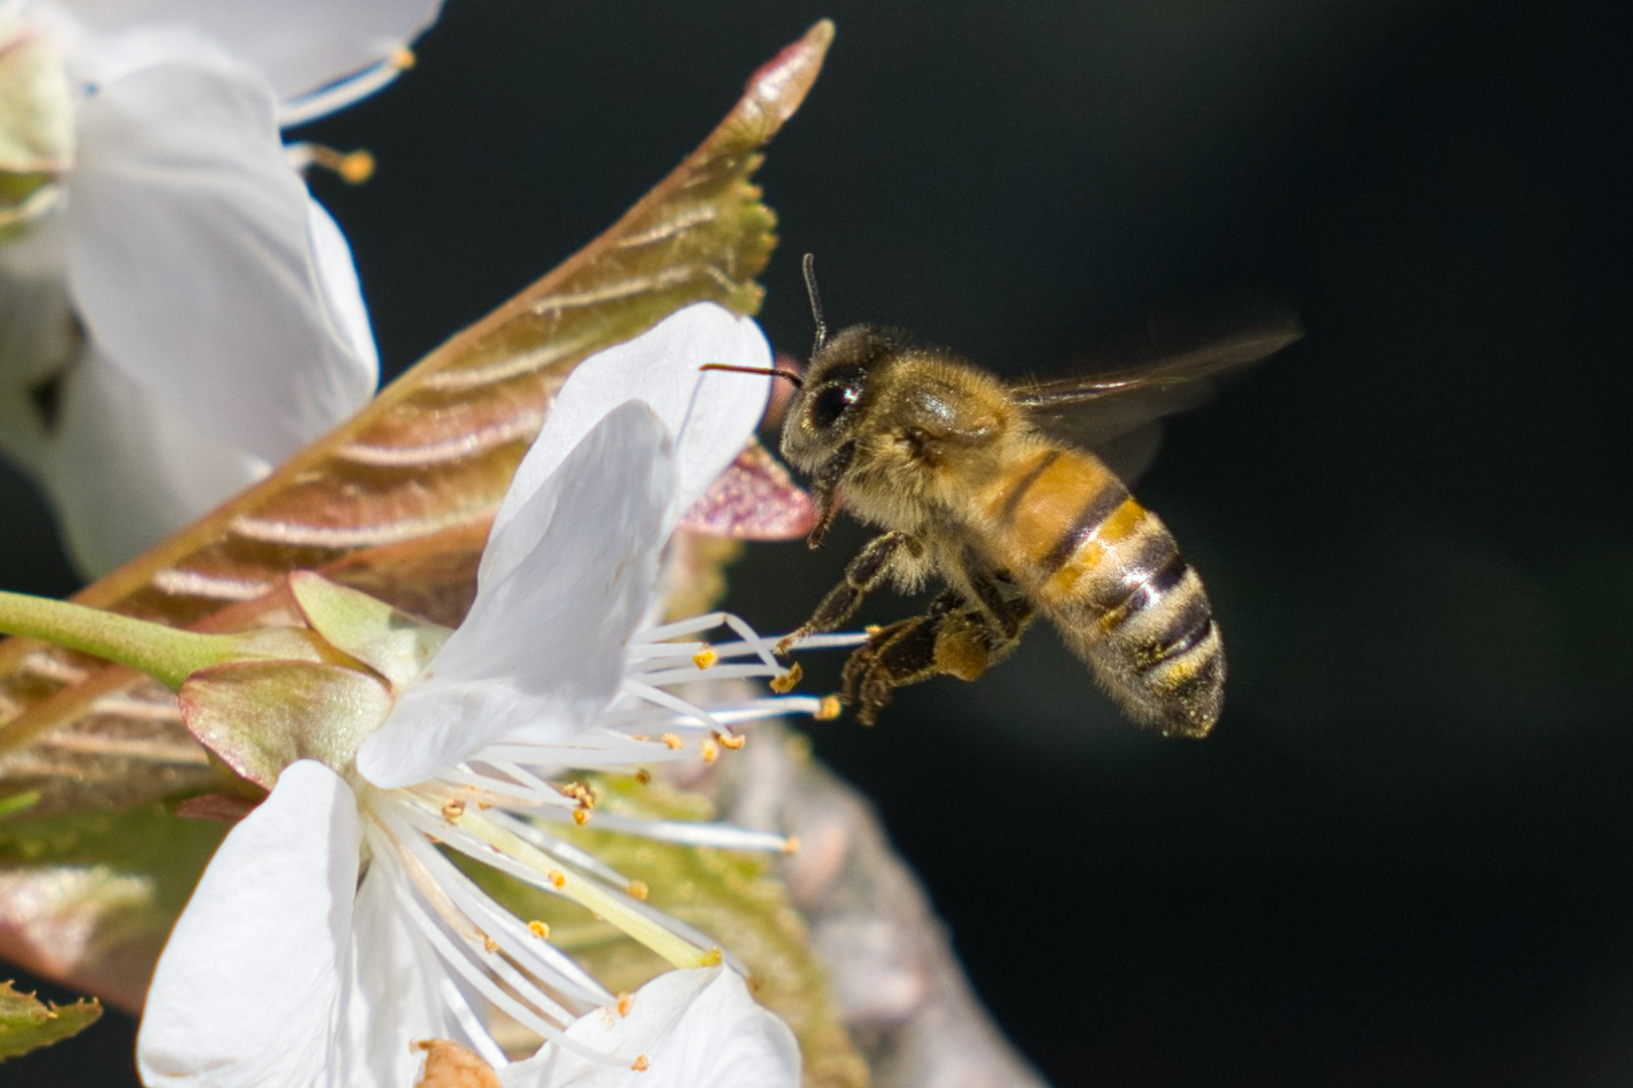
{"points": [[772, 372], [808, 266]]}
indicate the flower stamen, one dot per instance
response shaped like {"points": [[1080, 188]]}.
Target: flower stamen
{"points": [[340, 93], [352, 167]]}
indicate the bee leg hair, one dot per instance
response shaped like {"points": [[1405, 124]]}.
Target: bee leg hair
{"points": [[953, 638], [864, 574], [1008, 611]]}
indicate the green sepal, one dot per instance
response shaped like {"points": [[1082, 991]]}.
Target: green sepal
{"points": [[26, 1023], [261, 716], [388, 640]]}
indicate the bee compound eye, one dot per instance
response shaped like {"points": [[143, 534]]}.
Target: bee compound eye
{"points": [[830, 403]]}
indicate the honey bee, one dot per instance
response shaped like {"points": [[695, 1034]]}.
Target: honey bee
{"points": [[991, 488]]}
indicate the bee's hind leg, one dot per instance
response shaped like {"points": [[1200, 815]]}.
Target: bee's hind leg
{"points": [[953, 638]]}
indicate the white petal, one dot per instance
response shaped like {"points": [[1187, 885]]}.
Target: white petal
{"points": [[245, 991], [391, 995], [541, 652], [191, 260], [125, 469], [711, 414], [693, 1027], [296, 44], [97, 60], [340, 291]]}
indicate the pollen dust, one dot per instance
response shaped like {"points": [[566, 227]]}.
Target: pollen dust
{"points": [[449, 1065]]}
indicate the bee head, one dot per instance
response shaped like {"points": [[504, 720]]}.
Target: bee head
{"points": [[824, 412]]}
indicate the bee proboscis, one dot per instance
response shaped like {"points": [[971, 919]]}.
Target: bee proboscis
{"points": [[992, 488]]}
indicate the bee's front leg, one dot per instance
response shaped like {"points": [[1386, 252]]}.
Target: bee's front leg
{"points": [[953, 638], [864, 574]]}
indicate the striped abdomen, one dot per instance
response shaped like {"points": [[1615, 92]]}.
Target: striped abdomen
{"points": [[1107, 572]]}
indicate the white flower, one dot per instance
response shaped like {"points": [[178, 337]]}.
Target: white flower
{"points": [[287, 969], [179, 314]]}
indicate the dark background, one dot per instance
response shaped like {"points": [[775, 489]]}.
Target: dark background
{"points": [[1404, 856]]}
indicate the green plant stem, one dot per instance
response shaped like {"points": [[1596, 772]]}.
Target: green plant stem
{"points": [[168, 655]]}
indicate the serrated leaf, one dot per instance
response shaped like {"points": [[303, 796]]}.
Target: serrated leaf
{"points": [[396, 502], [27, 1023]]}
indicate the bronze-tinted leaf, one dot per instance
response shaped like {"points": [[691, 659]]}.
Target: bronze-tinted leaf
{"points": [[754, 499]]}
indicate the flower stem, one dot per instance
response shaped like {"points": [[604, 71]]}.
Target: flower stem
{"points": [[168, 655]]}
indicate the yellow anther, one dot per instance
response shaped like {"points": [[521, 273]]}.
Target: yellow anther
{"points": [[636, 889], [489, 943], [711, 958], [483, 805], [733, 741], [356, 167], [639, 737], [872, 629], [557, 878], [705, 657], [672, 741], [784, 684], [352, 167], [453, 809], [640, 1064], [539, 929], [581, 816], [791, 846], [579, 792], [711, 751], [643, 776], [625, 1002], [829, 709]]}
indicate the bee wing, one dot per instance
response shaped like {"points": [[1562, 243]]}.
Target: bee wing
{"points": [[1132, 452], [1169, 368]]}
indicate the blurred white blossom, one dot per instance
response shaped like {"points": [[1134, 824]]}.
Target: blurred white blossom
{"points": [[177, 314], [288, 968]]}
